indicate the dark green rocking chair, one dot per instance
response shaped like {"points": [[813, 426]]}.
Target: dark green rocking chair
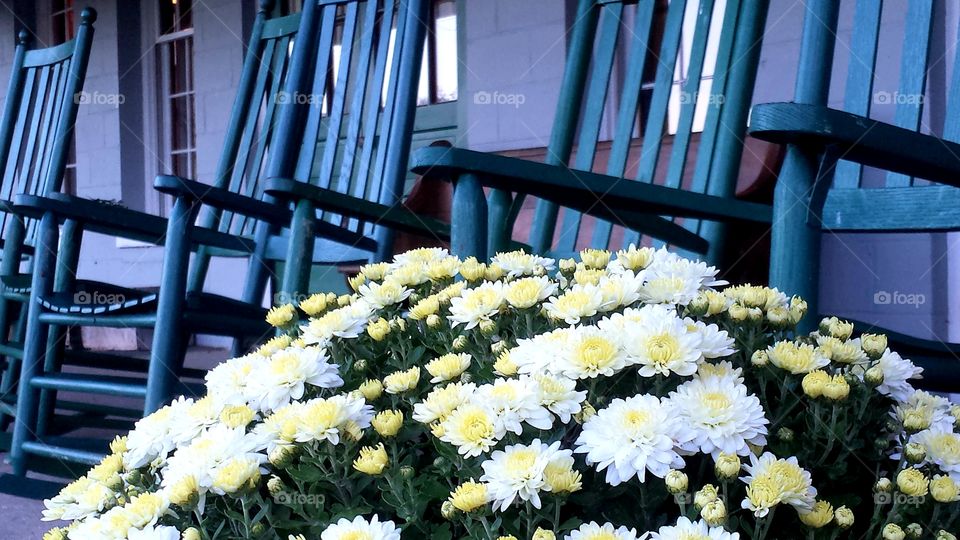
{"points": [[612, 113], [35, 133], [825, 185], [270, 133]]}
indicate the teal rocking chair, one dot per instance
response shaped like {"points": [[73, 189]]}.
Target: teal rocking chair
{"points": [[613, 113], [845, 172], [35, 134], [271, 135]]}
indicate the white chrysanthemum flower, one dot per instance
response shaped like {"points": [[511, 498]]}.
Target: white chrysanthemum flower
{"points": [[79, 500], [205, 453], [622, 323], [154, 532], [448, 367], [476, 304], [722, 414], [442, 401], [943, 449], [663, 346], [715, 343], [326, 419], [620, 290], [473, 429], [284, 377], [559, 395], [722, 369], [159, 433], [345, 322], [518, 472], [519, 263], [926, 410], [424, 255], [692, 530], [771, 481], [529, 291], [578, 302], [540, 353], [595, 531], [590, 352], [387, 293], [632, 436], [514, 402], [278, 428], [233, 382], [360, 528], [897, 371], [665, 261]]}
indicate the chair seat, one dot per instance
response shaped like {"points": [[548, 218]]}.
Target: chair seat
{"points": [[17, 283]]}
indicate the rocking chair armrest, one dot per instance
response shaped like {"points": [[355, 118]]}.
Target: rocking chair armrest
{"points": [[395, 217], [581, 190], [222, 199], [859, 139], [117, 221]]}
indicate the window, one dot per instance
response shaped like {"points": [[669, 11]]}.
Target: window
{"points": [[63, 28], [438, 77], [175, 88]]}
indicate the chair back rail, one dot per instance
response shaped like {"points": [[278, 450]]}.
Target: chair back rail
{"points": [[635, 72], [36, 130]]}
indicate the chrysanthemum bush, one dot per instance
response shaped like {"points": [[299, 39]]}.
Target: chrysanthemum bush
{"points": [[600, 398]]}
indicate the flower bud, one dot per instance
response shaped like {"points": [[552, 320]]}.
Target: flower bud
{"points": [[282, 456], [759, 358], [433, 320], [944, 535], [714, 513], [447, 510], [57, 533], [460, 343], [837, 389], [914, 530], [257, 529], [874, 345], [543, 534], [567, 266], [785, 434], [360, 365], [388, 423], [275, 486], [190, 534], [915, 421], [699, 306], [813, 383], [344, 300], [892, 531], [407, 472], [843, 517], [727, 466], [705, 496], [883, 485], [378, 329], [914, 452], [488, 328], [587, 412], [874, 376], [738, 313], [676, 481]]}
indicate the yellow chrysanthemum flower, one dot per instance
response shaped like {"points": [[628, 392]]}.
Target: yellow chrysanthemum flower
{"points": [[279, 316], [402, 381], [387, 423], [372, 460], [469, 496], [448, 366]]}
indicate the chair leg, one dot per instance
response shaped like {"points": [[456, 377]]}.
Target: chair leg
{"points": [[52, 363], [795, 244], [296, 274], [469, 234], [168, 335], [34, 350]]}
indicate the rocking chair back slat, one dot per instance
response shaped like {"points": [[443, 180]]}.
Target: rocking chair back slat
{"points": [[913, 75], [643, 96]]}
